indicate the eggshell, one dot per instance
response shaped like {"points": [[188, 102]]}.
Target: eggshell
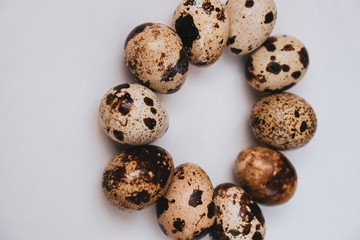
{"points": [[278, 64], [137, 177], [283, 121], [187, 210], [251, 23], [237, 215], [156, 58], [132, 114], [267, 175], [203, 26]]}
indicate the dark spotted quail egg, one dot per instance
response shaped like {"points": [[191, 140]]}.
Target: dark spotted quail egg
{"points": [[187, 210], [283, 121], [155, 56], [203, 26], [251, 23], [137, 177], [278, 64], [237, 215], [267, 175], [132, 114]]}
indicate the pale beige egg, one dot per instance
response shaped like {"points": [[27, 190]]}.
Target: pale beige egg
{"points": [[237, 215], [187, 210], [280, 63], [251, 23], [133, 114], [203, 26], [155, 56]]}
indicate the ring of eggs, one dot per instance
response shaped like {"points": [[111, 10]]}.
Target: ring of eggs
{"points": [[187, 205]]}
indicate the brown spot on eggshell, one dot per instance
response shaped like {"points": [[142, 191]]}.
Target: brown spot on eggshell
{"points": [[231, 40], [249, 3], [269, 44], [179, 224], [257, 236], [162, 206], [296, 74], [304, 57], [211, 210], [195, 198], [269, 17], [139, 198], [148, 101], [119, 135], [288, 47]]}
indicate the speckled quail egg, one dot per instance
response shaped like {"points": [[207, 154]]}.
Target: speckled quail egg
{"points": [[203, 26], [251, 23], [278, 64], [132, 114], [283, 121], [155, 56], [237, 215], [267, 175], [187, 210], [137, 177]]}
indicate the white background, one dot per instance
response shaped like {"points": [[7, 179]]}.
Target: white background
{"points": [[58, 58]]}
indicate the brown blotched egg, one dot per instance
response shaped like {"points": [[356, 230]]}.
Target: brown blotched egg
{"points": [[251, 23], [267, 175], [137, 177], [187, 210], [133, 114], [155, 56], [237, 215], [278, 64], [283, 121], [203, 26]]}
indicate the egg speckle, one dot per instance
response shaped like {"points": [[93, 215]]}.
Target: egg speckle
{"points": [[237, 215], [251, 23], [187, 210], [132, 114], [203, 26], [283, 121], [137, 177], [267, 175], [278, 64], [155, 56]]}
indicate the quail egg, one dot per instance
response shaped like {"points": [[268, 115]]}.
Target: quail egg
{"points": [[132, 114], [266, 175], [278, 64], [237, 215], [187, 210], [137, 177], [155, 56], [283, 121], [203, 26], [251, 23]]}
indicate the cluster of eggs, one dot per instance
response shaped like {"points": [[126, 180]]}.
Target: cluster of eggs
{"points": [[158, 57]]}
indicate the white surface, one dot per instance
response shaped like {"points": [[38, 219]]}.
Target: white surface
{"points": [[58, 58]]}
